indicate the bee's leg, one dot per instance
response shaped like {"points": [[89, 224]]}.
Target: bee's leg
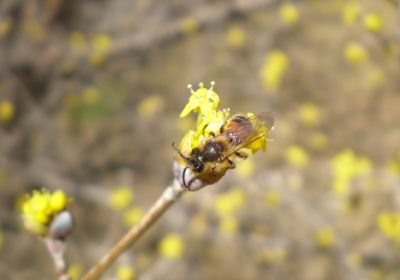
{"points": [[241, 155], [221, 130], [231, 163]]}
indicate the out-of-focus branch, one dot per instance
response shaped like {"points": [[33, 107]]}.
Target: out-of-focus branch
{"points": [[168, 197]]}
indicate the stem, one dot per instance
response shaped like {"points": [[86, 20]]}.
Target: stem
{"points": [[57, 248], [168, 197]]}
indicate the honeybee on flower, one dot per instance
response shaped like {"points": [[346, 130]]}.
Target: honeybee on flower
{"points": [[217, 141]]}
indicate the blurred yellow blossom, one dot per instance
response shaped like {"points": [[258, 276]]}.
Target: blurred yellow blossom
{"points": [[7, 111], [40, 207], [235, 37], [325, 237], [273, 198], [190, 25], [309, 114], [101, 45], [229, 202], [355, 53], [376, 77], [228, 225], [350, 12], [393, 167], [34, 29], [90, 96], [346, 166], [376, 274], [6, 24], [121, 197], [171, 246], [318, 141], [77, 41], [272, 255], [389, 224], [273, 69], [289, 13], [372, 22], [297, 156], [75, 271], [125, 272], [133, 215], [245, 168], [150, 106]]}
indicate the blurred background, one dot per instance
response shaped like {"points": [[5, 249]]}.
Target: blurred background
{"points": [[90, 96]]}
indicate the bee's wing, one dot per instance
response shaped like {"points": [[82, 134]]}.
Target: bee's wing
{"points": [[267, 118], [247, 130]]}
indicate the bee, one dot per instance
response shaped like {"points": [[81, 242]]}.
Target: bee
{"points": [[210, 160]]}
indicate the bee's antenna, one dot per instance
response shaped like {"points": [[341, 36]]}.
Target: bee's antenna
{"points": [[183, 177], [180, 153]]}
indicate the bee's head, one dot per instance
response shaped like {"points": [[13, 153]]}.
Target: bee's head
{"points": [[193, 161]]}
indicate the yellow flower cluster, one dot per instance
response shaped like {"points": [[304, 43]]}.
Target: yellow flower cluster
{"points": [[205, 103], [389, 224], [171, 246], [120, 197], [373, 22], [273, 198], [272, 255], [125, 272], [289, 13], [229, 202], [77, 41], [347, 166], [297, 156], [235, 37], [355, 53], [101, 45], [309, 114], [190, 25], [7, 111], [40, 207], [273, 69], [226, 205], [350, 12], [150, 106], [6, 23], [325, 237], [133, 215]]}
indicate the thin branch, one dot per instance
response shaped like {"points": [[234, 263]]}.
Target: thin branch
{"points": [[168, 197]]}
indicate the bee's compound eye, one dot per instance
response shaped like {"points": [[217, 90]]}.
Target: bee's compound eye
{"points": [[199, 168]]}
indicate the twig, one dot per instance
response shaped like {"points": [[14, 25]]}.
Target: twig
{"points": [[168, 197], [57, 248]]}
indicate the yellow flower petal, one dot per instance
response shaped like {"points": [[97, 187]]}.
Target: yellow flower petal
{"points": [[228, 225], [273, 70], [289, 13], [297, 156], [7, 111], [325, 237], [171, 246], [133, 215], [355, 53], [121, 197], [125, 272], [373, 22]]}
